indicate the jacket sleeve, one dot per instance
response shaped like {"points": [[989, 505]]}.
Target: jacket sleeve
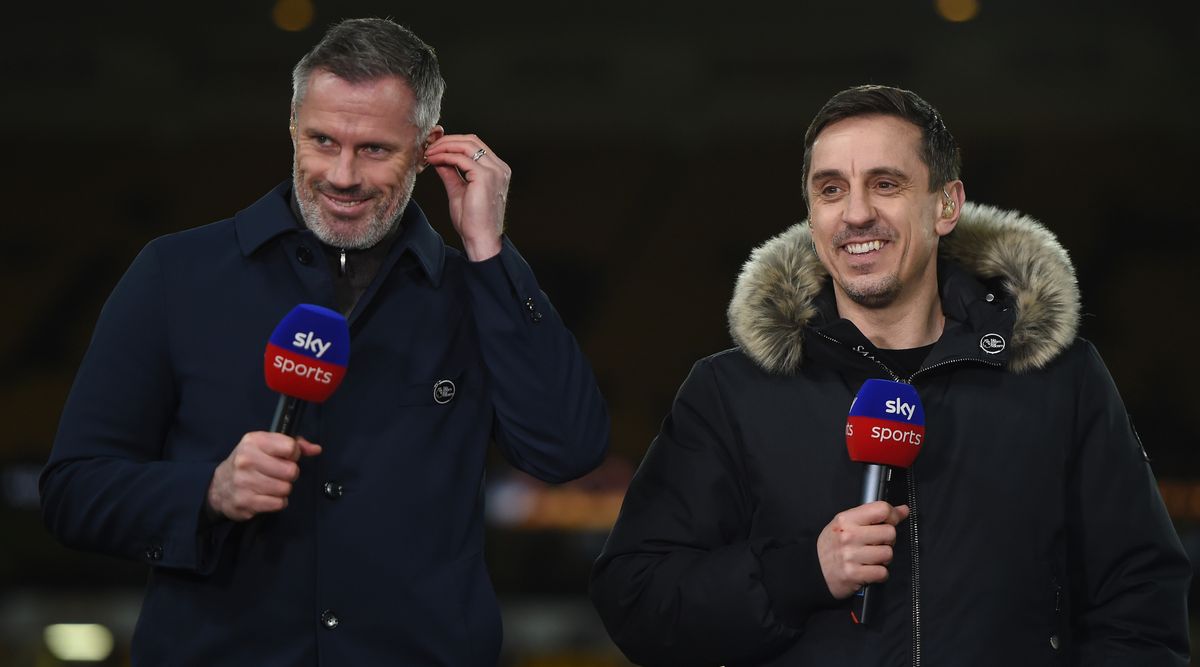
{"points": [[550, 420], [1129, 572], [105, 487], [680, 582]]}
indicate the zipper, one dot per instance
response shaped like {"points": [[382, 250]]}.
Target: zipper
{"points": [[342, 263], [915, 562], [868, 355], [913, 518], [951, 361]]}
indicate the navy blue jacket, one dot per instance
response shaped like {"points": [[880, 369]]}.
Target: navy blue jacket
{"points": [[378, 557]]}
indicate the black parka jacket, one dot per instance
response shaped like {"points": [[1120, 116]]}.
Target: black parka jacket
{"points": [[1042, 536]]}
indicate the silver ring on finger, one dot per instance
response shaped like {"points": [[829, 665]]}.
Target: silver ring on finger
{"points": [[478, 154]]}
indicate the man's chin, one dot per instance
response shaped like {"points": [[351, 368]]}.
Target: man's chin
{"points": [[877, 295]]}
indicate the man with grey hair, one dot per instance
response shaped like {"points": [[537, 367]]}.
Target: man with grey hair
{"points": [[365, 549]]}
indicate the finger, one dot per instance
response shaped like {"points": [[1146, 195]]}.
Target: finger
{"points": [[452, 179], [871, 574], [468, 150], [471, 170], [869, 514], [899, 513], [256, 484], [308, 448], [272, 467], [276, 445], [878, 534], [266, 504], [872, 555], [459, 142]]}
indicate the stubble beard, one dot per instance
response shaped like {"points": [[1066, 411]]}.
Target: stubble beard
{"points": [[382, 219], [880, 294]]}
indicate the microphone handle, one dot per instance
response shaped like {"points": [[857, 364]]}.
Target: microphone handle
{"points": [[288, 411], [875, 477], [287, 417], [874, 487]]}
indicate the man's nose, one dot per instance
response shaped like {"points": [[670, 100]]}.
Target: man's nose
{"points": [[343, 173], [859, 209]]}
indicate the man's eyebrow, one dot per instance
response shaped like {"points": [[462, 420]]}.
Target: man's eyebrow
{"points": [[826, 173], [889, 171]]}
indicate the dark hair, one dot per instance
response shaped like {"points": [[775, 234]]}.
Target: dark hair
{"points": [[939, 151], [359, 50]]}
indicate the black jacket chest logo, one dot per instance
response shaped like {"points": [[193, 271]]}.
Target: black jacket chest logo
{"points": [[443, 392], [992, 343]]}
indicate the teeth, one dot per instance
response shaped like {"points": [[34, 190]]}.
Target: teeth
{"points": [[860, 248]]}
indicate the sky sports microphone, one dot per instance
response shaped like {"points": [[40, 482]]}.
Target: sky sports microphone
{"points": [[885, 430], [305, 361]]}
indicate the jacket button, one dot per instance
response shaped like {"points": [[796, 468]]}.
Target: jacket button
{"points": [[990, 298], [529, 304], [329, 619], [304, 254], [536, 317], [333, 490], [154, 553], [1054, 642]]}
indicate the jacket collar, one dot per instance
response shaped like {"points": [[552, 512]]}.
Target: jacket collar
{"points": [[271, 217], [783, 290]]}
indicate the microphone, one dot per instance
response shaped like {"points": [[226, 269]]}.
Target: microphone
{"points": [[884, 430], [305, 361]]}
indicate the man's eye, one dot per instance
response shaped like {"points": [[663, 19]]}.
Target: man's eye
{"points": [[322, 140], [830, 190], [374, 150]]}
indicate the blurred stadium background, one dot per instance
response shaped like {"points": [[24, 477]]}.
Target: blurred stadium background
{"points": [[653, 145]]}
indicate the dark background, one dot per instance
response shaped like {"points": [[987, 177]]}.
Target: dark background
{"points": [[653, 146]]}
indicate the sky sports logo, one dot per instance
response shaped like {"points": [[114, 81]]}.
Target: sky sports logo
{"points": [[305, 370], [307, 354], [898, 406], [886, 424], [301, 365], [309, 342]]}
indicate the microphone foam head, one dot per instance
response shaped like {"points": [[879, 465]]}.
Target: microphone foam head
{"points": [[886, 425], [307, 354]]}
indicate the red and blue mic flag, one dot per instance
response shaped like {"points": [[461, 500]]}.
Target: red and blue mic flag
{"points": [[307, 354], [886, 425]]}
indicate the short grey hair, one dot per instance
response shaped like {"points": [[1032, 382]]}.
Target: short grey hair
{"points": [[358, 50]]}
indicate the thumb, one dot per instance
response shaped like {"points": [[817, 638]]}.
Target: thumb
{"points": [[308, 448], [451, 179], [899, 513]]}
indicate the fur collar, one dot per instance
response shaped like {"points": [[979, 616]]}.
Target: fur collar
{"points": [[775, 294]]}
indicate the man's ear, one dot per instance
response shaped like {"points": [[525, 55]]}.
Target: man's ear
{"points": [[292, 126], [437, 132], [953, 198]]}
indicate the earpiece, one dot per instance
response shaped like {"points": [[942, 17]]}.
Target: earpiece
{"points": [[948, 207]]}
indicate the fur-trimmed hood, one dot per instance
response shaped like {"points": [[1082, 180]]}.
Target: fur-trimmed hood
{"points": [[775, 296]]}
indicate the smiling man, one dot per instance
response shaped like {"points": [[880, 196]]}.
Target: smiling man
{"points": [[1029, 531], [366, 549]]}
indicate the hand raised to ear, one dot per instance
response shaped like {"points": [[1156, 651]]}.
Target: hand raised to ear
{"points": [[476, 182]]}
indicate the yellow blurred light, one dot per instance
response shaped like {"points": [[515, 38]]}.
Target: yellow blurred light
{"points": [[957, 11], [79, 642], [293, 15]]}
